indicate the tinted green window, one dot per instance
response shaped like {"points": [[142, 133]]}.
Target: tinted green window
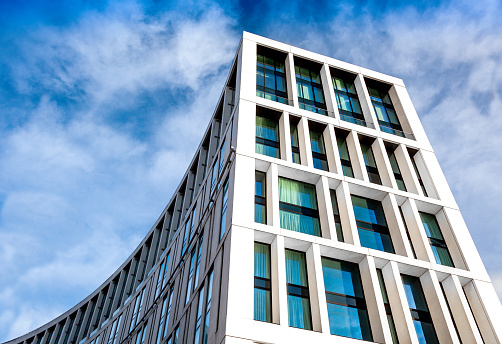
{"points": [[344, 157], [310, 93], [347, 101], [271, 79], [297, 289], [260, 202], [318, 150], [262, 284], [436, 240], [369, 161], [267, 137]]}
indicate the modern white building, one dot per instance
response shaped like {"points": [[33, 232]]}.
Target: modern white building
{"points": [[314, 211]]}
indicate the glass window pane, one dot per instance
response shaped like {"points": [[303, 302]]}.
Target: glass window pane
{"points": [[297, 193]]}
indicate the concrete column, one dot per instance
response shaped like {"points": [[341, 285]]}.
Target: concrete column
{"points": [[304, 138], [407, 170], [332, 152], [438, 308], [244, 191], [429, 170], [291, 80], [383, 163], [461, 311], [374, 301], [356, 157], [246, 138], [365, 100], [273, 215], [451, 242], [314, 277], [417, 233], [285, 138], [325, 209], [347, 217], [486, 308], [329, 93], [247, 85], [319, 281], [396, 227], [399, 304]]}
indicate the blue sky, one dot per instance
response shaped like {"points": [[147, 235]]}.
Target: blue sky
{"points": [[103, 103]]}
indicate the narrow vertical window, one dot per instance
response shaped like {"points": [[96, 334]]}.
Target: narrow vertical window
{"points": [[214, 176], [208, 309], [347, 101], [298, 207], [260, 201], [168, 311], [159, 280], [344, 157], [388, 311], [164, 274], [420, 181], [436, 240], [138, 304], [336, 215], [384, 110], [222, 157], [407, 233], [295, 148], [185, 237], [192, 223], [271, 76], [298, 291], [190, 277], [310, 93], [198, 321], [419, 310], [371, 224], [318, 150], [199, 252], [267, 137], [175, 335], [369, 161], [140, 338], [224, 210], [262, 284], [397, 172], [115, 331], [347, 312], [162, 320]]}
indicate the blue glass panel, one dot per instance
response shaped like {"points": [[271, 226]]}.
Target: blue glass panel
{"points": [[348, 322], [375, 240], [262, 307], [425, 332], [299, 312]]}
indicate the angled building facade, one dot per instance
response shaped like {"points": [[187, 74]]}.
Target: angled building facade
{"points": [[314, 211]]}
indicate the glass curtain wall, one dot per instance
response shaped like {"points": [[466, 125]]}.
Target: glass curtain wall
{"points": [[347, 311], [267, 137], [298, 207], [310, 93], [298, 291], [260, 201], [419, 311], [347, 101], [318, 150], [436, 239], [262, 284], [371, 224], [271, 78]]}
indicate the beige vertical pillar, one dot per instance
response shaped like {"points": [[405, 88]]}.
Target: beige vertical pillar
{"points": [[347, 217]]}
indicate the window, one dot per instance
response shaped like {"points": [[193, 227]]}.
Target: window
{"points": [[388, 311], [198, 262], [208, 309], [162, 320], [186, 234], [164, 275], [384, 110], [196, 336], [224, 210], [419, 311], [260, 201], [222, 157], [344, 157], [138, 304], [347, 101], [175, 336], [271, 77], [310, 94], [94, 341], [369, 161], [262, 284], [168, 312], [190, 277], [140, 338], [192, 224], [407, 233], [371, 224], [298, 207], [267, 137], [397, 172], [347, 312], [298, 291], [436, 240], [159, 280], [115, 331], [295, 148], [336, 215], [214, 176], [318, 150]]}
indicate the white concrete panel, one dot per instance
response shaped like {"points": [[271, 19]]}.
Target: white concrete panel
{"points": [[273, 216], [407, 171], [417, 232], [332, 151], [356, 157], [438, 309], [461, 311], [243, 200], [383, 163], [285, 137], [326, 217], [305, 147], [347, 217], [365, 101], [433, 178], [396, 226], [329, 93], [314, 277], [246, 138], [291, 80]]}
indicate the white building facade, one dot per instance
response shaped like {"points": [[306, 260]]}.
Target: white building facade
{"points": [[314, 211]]}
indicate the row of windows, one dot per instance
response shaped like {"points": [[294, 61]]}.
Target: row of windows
{"points": [[268, 143], [298, 211], [271, 84], [345, 297]]}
